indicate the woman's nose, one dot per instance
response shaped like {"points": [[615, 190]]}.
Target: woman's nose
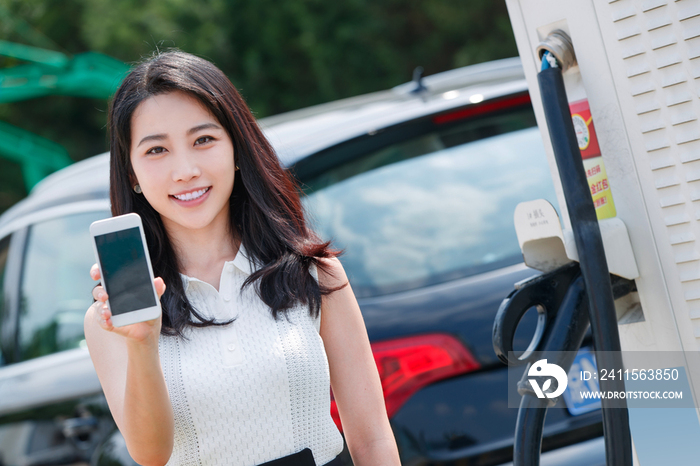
{"points": [[187, 167]]}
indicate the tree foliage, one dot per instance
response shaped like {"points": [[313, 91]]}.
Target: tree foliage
{"points": [[282, 55]]}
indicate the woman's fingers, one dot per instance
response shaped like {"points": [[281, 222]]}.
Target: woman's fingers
{"points": [[103, 315], [106, 317], [99, 293], [160, 286], [95, 272]]}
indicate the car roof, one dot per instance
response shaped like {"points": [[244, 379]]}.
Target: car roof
{"points": [[300, 133]]}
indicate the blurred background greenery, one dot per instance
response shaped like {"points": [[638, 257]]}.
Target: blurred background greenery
{"points": [[281, 54]]}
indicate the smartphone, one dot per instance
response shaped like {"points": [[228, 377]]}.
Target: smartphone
{"points": [[125, 266]]}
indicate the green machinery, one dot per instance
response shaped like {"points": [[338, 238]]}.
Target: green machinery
{"points": [[46, 72]]}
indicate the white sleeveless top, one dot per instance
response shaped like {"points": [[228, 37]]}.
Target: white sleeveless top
{"points": [[252, 391]]}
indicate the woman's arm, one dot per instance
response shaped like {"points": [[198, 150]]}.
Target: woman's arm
{"points": [[127, 363], [354, 377]]}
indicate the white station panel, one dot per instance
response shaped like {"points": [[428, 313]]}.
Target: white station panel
{"points": [[639, 74], [639, 69], [653, 50]]}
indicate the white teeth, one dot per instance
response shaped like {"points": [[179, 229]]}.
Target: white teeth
{"points": [[191, 196]]}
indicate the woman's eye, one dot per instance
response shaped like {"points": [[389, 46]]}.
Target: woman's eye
{"points": [[155, 150], [203, 140]]}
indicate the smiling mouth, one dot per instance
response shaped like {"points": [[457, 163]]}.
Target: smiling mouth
{"points": [[191, 196]]}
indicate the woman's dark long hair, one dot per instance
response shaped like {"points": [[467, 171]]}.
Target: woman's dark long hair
{"points": [[266, 213]]}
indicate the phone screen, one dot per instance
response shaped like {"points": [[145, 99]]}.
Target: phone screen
{"points": [[125, 271]]}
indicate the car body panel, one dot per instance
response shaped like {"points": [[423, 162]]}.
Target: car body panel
{"points": [[464, 307]]}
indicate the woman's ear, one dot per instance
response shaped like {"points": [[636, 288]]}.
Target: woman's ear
{"points": [[135, 185], [132, 177]]}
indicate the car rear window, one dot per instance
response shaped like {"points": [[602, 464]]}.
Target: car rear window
{"points": [[434, 207]]}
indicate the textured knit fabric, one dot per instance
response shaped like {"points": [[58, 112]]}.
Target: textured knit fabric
{"points": [[252, 391]]}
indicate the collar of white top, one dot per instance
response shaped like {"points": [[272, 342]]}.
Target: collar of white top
{"points": [[241, 262]]}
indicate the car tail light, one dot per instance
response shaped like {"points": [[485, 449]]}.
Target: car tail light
{"points": [[408, 364], [486, 107]]}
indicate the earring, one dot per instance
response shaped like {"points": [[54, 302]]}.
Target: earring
{"points": [[237, 168], [137, 189]]}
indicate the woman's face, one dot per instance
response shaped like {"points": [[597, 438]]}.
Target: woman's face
{"points": [[183, 160]]}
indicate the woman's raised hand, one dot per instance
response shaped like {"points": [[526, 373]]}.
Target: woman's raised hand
{"points": [[140, 331]]}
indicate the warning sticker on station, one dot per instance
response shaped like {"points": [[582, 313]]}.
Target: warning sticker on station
{"points": [[592, 159]]}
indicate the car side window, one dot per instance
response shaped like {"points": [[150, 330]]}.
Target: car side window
{"points": [[56, 285], [434, 207], [4, 250]]}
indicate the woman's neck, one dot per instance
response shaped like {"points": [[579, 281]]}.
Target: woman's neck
{"points": [[202, 253]]}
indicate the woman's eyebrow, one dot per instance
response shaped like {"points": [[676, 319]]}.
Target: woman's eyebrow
{"points": [[203, 126], [153, 137]]}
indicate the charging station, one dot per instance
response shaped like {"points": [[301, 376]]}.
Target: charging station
{"points": [[631, 75]]}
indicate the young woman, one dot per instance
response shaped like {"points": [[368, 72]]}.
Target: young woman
{"points": [[258, 318]]}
